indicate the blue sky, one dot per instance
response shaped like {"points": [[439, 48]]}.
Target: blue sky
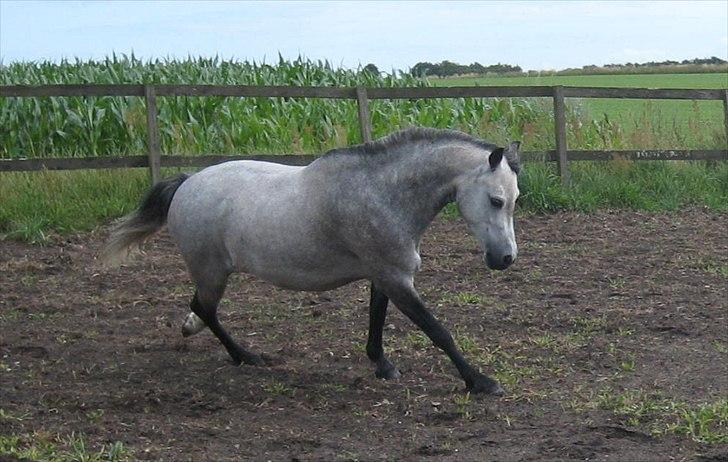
{"points": [[534, 35]]}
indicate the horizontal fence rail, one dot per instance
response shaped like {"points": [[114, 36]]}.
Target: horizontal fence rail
{"points": [[350, 92], [103, 162], [154, 160]]}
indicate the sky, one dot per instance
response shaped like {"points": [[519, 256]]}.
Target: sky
{"points": [[392, 35]]}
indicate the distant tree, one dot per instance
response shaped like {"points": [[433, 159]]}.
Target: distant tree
{"points": [[371, 68], [421, 69], [476, 68]]}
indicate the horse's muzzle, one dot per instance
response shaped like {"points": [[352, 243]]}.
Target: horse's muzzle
{"points": [[498, 263]]}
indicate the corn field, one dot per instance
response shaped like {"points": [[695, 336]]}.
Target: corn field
{"points": [[81, 126]]}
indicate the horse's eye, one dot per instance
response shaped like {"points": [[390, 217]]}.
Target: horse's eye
{"points": [[497, 203]]}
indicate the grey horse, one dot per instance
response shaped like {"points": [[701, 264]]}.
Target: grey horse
{"points": [[354, 213]]}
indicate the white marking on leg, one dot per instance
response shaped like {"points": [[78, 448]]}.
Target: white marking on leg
{"points": [[192, 325]]}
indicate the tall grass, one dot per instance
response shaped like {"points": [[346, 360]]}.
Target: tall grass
{"points": [[34, 205]]}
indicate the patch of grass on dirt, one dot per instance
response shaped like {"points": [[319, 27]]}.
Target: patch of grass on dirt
{"points": [[41, 447], [277, 388], [708, 264], [545, 340], [720, 347], [716, 269], [417, 340], [707, 423], [464, 298], [462, 405], [589, 325], [656, 414], [467, 343]]}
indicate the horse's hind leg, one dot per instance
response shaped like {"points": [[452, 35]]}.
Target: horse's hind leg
{"points": [[377, 314], [204, 305]]}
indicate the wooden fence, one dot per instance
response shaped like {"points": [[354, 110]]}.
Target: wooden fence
{"points": [[154, 160]]}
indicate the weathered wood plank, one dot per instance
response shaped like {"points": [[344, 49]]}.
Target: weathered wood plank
{"points": [[725, 112], [651, 154], [642, 93], [152, 134], [365, 122], [256, 91], [72, 163], [350, 93], [102, 162], [71, 90], [273, 91], [457, 92], [80, 163], [641, 154], [206, 160], [560, 132]]}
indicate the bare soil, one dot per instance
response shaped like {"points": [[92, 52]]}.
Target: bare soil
{"points": [[597, 307]]}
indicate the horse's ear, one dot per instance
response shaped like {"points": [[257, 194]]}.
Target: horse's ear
{"points": [[514, 147], [495, 157]]}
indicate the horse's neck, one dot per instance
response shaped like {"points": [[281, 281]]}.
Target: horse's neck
{"points": [[422, 181]]}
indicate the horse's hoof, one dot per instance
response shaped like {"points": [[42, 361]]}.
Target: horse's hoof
{"points": [[245, 357], [387, 371], [192, 325], [269, 360], [484, 384], [252, 359]]}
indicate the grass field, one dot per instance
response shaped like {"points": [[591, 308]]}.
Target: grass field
{"points": [[716, 80], [36, 205], [703, 119]]}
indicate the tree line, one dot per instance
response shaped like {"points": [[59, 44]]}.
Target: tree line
{"points": [[448, 68]]}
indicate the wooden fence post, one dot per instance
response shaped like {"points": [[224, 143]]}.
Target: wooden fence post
{"points": [[725, 111], [365, 123], [560, 130], [154, 153]]}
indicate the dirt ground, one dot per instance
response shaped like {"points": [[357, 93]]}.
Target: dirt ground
{"points": [[608, 333]]}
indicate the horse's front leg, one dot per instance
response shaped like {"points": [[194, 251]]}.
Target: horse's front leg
{"points": [[402, 292], [377, 314]]}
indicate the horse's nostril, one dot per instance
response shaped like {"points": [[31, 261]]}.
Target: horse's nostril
{"points": [[507, 260]]}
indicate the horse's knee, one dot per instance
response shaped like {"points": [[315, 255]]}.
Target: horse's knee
{"points": [[192, 325]]}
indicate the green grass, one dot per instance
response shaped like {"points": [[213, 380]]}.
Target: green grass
{"points": [[42, 447], [691, 122], [711, 80], [703, 422], [35, 204]]}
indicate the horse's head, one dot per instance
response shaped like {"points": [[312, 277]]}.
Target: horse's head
{"points": [[486, 197]]}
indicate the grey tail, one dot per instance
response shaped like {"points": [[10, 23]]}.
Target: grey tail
{"points": [[146, 220]]}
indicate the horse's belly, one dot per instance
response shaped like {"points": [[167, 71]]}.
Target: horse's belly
{"points": [[315, 277]]}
